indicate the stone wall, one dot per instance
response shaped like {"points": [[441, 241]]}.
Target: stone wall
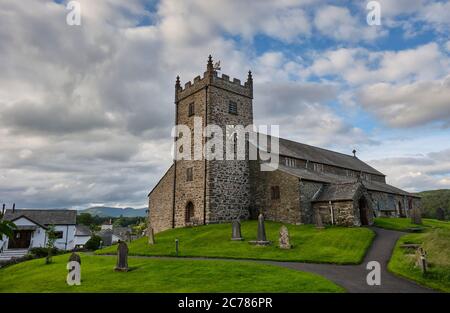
{"points": [[343, 212], [161, 203], [388, 205], [190, 191], [228, 189], [307, 191]]}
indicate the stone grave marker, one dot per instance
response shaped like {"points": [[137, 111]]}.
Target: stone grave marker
{"points": [[122, 257], [284, 238], [416, 216], [236, 231], [421, 260], [75, 257], [261, 239], [151, 236], [318, 219]]}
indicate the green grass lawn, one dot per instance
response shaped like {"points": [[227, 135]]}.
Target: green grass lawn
{"points": [[403, 224], [436, 243], [158, 275], [435, 239], [340, 245]]}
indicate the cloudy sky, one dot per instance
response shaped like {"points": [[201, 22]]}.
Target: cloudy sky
{"points": [[86, 111]]}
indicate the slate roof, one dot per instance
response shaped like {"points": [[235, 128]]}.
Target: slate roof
{"points": [[315, 154], [121, 231], [106, 236], [83, 230], [335, 179], [45, 217], [338, 192]]}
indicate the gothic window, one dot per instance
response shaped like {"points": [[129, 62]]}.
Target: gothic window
{"points": [[191, 109], [189, 212], [189, 174], [232, 107], [275, 192]]}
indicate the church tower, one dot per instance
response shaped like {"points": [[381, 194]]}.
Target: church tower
{"points": [[211, 191]]}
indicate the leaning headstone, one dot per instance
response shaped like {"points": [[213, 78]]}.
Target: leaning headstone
{"points": [[284, 238], [151, 236], [421, 260], [75, 257], [318, 219], [122, 257], [416, 216], [236, 230]]}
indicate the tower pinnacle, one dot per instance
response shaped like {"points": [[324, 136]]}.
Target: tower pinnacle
{"points": [[210, 67]]}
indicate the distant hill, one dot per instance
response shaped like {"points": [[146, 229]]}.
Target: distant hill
{"points": [[433, 199], [114, 212]]}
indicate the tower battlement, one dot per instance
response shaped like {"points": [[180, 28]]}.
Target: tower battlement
{"points": [[211, 78]]}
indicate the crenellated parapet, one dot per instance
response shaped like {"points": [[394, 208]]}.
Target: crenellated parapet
{"points": [[211, 78]]}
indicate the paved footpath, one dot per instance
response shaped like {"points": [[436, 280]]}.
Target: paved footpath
{"points": [[353, 277]]}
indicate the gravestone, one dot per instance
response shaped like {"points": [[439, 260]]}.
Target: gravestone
{"points": [[75, 257], [151, 236], [416, 216], [122, 257], [261, 239], [236, 230], [421, 260], [440, 214], [284, 238], [318, 219], [261, 229]]}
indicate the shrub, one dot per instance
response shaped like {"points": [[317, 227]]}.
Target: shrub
{"points": [[43, 252], [93, 243]]}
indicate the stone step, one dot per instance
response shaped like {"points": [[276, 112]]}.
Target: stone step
{"points": [[7, 255]]}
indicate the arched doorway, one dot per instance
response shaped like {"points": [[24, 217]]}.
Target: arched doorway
{"points": [[189, 212], [363, 210], [400, 209]]}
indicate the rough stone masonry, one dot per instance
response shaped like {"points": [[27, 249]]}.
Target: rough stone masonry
{"points": [[341, 188]]}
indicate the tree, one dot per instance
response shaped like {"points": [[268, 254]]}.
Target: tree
{"points": [[85, 219], [93, 243], [7, 228], [51, 238]]}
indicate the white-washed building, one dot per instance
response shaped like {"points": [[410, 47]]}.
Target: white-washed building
{"points": [[32, 226]]}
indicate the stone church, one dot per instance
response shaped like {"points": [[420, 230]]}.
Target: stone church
{"points": [[308, 181]]}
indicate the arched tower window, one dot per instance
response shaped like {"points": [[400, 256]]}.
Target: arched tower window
{"points": [[189, 212]]}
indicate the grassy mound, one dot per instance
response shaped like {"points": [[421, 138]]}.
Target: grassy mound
{"points": [[404, 224], [340, 245], [435, 239], [157, 275], [436, 243]]}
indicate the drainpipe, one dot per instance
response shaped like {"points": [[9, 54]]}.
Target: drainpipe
{"points": [[67, 236], [332, 212]]}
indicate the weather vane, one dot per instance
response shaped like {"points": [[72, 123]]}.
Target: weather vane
{"points": [[217, 66]]}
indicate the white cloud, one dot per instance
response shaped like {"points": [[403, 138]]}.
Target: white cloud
{"points": [[86, 111], [338, 23], [409, 105], [359, 66]]}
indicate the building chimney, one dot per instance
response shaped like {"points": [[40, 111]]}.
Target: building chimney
{"points": [[14, 207], [3, 210], [354, 153]]}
